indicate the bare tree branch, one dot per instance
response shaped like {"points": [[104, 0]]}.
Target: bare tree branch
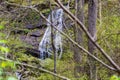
{"points": [[41, 69], [89, 36], [80, 47], [76, 44]]}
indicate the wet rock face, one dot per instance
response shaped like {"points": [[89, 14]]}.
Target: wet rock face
{"points": [[29, 26], [32, 38], [36, 33], [22, 37], [39, 25]]}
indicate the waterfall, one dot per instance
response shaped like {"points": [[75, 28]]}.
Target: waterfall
{"points": [[45, 44], [18, 75]]}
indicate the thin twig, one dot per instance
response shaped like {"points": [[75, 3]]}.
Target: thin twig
{"points": [[89, 36], [80, 47], [76, 44], [41, 69]]}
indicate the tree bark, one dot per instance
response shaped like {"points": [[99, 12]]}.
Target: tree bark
{"points": [[78, 37], [116, 67], [92, 16]]}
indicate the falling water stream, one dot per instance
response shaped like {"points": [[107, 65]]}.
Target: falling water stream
{"points": [[45, 46]]}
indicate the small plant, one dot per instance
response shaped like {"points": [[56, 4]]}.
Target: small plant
{"points": [[6, 67], [114, 77]]}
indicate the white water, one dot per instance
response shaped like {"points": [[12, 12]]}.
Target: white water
{"points": [[45, 44], [18, 75]]}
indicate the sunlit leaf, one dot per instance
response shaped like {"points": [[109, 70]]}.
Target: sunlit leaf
{"points": [[3, 64], [4, 49], [114, 77], [1, 78], [3, 41], [8, 64], [1, 27], [12, 64], [11, 78]]}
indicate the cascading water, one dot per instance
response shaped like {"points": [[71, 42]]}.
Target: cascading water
{"points": [[45, 45]]}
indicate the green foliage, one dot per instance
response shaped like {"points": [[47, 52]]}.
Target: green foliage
{"points": [[104, 75], [47, 63], [67, 55], [114, 77], [5, 65], [1, 71], [84, 77], [2, 35], [11, 78], [45, 76], [3, 41], [4, 49], [65, 66], [1, 27]]}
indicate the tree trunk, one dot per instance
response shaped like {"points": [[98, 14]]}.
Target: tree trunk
{"points": [[78, 37], [92, 16]]}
